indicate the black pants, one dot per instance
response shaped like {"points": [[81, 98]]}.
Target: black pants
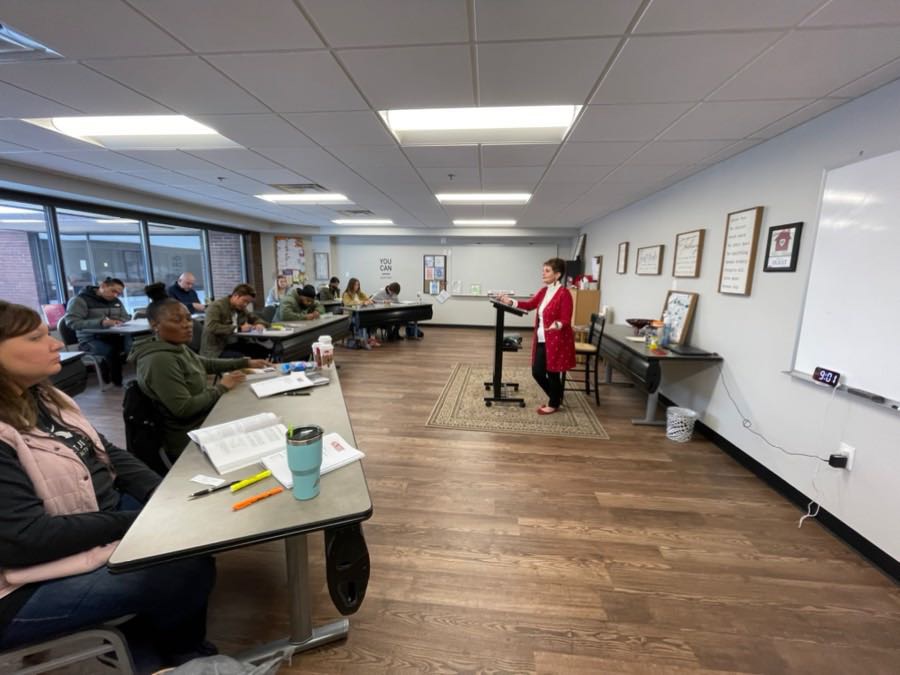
{"points": [[109, 348], [551, 383]]}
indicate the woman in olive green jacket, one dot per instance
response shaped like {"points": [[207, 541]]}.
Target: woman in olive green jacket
{"points": [[175, 377]]}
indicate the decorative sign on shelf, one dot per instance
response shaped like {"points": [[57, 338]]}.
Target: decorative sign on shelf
{"points": [[688, 252], [739, 251], [434, 274]]}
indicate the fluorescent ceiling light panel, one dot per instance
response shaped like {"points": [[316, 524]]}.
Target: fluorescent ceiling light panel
{"points": [[483, 197], [471, 126], [138, 132], [305, 198], [363, 221], [492, 222]]}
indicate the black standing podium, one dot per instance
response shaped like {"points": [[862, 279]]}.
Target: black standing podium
{"points": [[499, 388]]}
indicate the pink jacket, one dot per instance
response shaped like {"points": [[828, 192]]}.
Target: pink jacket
{"points": [[560, 344], [64, 484]]}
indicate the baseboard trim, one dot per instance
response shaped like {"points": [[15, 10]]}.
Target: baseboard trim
{"points": [[837, 527]]}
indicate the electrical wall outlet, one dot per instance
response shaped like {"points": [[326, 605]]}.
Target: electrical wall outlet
{"points": [[850, 451]]}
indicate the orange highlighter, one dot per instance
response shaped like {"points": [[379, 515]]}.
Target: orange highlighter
{"points": [[255, 498]]}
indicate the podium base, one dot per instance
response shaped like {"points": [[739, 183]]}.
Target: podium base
{"points": [[502, 396]]}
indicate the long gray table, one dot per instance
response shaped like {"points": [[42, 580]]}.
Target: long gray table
{"points": [[133, 328], [297, 344], [642, 365], [370, 316], [172, 527]]}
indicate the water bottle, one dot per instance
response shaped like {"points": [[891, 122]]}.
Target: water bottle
{"points": [[665, 330]]}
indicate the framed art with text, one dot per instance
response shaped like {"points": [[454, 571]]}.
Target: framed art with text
{"points": [[688, 252], [649, 260], [321, 265], [622, 259], [739, 251], [782, 247]]}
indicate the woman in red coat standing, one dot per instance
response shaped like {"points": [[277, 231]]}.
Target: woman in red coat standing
{"points": [[553, 349]]}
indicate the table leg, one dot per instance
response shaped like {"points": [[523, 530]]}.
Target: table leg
{"points": [[304, 636], [649, 417]]}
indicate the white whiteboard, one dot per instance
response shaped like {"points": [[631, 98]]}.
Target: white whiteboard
{"points": [[851, 318], [508, 267]]}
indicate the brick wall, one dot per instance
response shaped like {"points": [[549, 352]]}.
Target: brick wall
{"points": [[225, 261], [254, 265], [17, 282]]}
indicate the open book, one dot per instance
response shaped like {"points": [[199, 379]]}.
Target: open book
{"points": [[234, 445], [336, 452]]}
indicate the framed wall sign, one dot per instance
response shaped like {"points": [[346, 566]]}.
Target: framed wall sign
{"points": [[680, 305], [782, 247], [622, 259], [649, 260], [321, 264], [739, 251], [688, 252]]}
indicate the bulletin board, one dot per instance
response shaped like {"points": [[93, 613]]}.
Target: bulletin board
{"points": [[290, 258], [434, 275]]}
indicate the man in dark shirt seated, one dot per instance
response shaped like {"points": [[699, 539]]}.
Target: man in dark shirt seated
{"points": [[183, 291]]}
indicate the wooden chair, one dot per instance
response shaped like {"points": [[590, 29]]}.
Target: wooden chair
{"points": [[590, 353]]}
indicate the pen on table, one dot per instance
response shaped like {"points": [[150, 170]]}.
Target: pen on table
{"points": [[255, 498], [209, 491], [294, 393], [250, 480]]}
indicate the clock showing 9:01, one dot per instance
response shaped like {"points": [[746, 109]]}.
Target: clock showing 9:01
{"points": [[825, 376]]}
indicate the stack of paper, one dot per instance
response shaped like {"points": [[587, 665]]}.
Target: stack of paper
{"points": [[336, 452]]}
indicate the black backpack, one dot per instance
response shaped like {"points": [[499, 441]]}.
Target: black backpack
{"points": [[144, 427]]}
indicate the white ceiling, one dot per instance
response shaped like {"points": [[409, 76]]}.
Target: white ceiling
{"points": [[669, 87]]}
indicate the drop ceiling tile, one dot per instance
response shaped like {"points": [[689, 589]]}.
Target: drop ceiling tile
{"points": [[660, 69], [257, 131], [15, 102], [374, 156], [55, 163], [799, 117], [635, 122], [524, 19], [541, 73], [342, 128], [642, 174], [298, 159], [242, 26], [730, 151], [557, 194], [346, 23], [388, 174], [813, 63], [517, 155], [292, 82], [576, 174], [412, 77], [273, 176], [855, 12], [677, 152], [88, 28], [79, 88], [525, 177], [729, 120], [443, 157], [675, 16], [164, 177], [608, 153], [36, 137], [464, 179], [863, 85], [106, 159], [173, 160], [186, 84], [235, 159], [459, 212]]}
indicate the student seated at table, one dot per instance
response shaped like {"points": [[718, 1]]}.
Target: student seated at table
{"points": [[174, 376], [354, 297], [67, 495], [332, 291], [300, 305], [100, 307], [183, 291], [278, 291], [386, 296], [227, 316]]}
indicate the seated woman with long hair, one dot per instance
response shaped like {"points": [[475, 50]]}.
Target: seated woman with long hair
{"points": [[174, 376], [354, 297], [67, 495]]}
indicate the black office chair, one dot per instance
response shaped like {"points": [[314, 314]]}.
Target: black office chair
{"points": [[67, 333], [590, 353], [197, 337], [267, 313]]}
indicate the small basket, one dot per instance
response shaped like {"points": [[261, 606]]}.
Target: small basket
{"points": [[680, 424]]}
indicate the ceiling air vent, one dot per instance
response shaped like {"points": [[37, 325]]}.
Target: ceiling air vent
{"points": [[299, 188], [18, 48], [355, 213]]}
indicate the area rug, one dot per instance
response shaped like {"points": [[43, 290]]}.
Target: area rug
{"points": [[461, 406]]}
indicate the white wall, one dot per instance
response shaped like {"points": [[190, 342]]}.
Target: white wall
{"points": [[756, 334]]}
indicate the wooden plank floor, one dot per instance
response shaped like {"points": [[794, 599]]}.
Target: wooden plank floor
{"points": [[503, 553]]}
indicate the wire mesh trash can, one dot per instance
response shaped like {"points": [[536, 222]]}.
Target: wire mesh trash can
{"points": [[680, 424]]}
